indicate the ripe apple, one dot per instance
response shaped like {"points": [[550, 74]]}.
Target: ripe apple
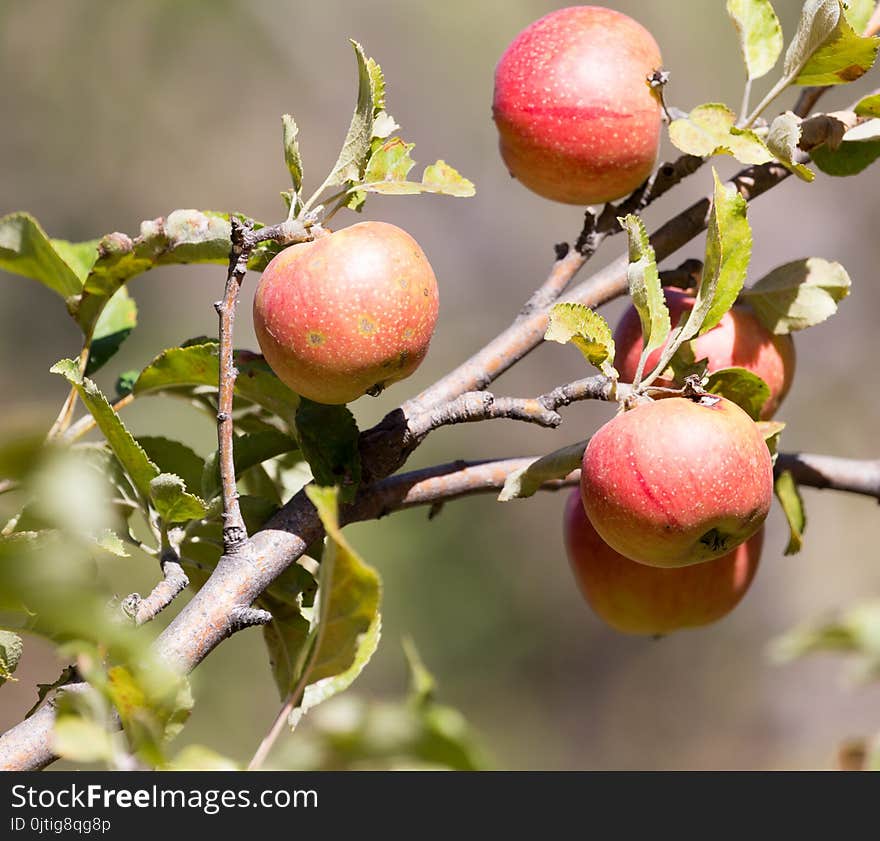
{"points": [[739, 339], [677, 481], [576, 118], [639, 599], [347, 314]]}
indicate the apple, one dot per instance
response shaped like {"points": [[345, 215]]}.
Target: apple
{"points": [[347, 314], [577, 120], [639, 599], [739, 339], [677, 481]]}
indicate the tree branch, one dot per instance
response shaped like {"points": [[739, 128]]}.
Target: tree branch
{"points": [[174, 581], [833, 473]]}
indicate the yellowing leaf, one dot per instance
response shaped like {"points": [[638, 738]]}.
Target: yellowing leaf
{"points": [[587, 331]]}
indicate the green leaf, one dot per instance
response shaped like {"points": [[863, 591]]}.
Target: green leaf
{"points": [[173, 457], [645, 290], [760, 35], [25, 249], [110, 542], [587, 331], [772, 432], [782, 141], [858, 13], [166, 490], [292, 157], [826, 50], [789, 496], [10, 653], [348, 622], [390, 164], [322, 690], [328, 437], [198, 365], [184, 236], [742, 386], [356, 149], [799, 294], [847, 159], [525, 481], [728, 251], [117, 320], [173, 502], [249, 450], [285, 637], [869, 106], [710, 130], [134, 460]]}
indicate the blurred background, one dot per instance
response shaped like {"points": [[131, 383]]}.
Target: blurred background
{"points": [[114, 113]]}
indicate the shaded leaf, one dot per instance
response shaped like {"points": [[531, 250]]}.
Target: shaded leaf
{"points": [[789, 496], [743, 387], [645, 290], [198, 365], [174, 457], [173, 502], [847, 159], [760, 35], [285, 637], [249, 450], [587, 331], [117, 320], [799, 294], [200, 758], [328, 437], [556, 465]]}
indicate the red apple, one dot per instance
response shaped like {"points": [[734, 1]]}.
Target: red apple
{"points": [[639, 599], [576, 118], [739, 339], [347, 314], [677, 481]]}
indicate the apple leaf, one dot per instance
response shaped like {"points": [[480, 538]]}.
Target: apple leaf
{"points": [[783, 139], [848, 159], [200, 758], [710, 130], [858, 13], [249, 450], [390, 164], [10, 653], [742, 386], [869, 106], [285, 637], [684, 363], [789, 496], [356, 148], [347, 623], [645, 290], [760, 34], [328, 436], [174, 457], [587, 331], [826, 49], [772, 432], [118, 318], [166, 491], [198, 365], [26, 249], [799, 294], [728, 250], [525, 481], [289, 131]]}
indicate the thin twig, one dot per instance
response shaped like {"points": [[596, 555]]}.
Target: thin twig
{"points": [[174, 581], [289, 705]]}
